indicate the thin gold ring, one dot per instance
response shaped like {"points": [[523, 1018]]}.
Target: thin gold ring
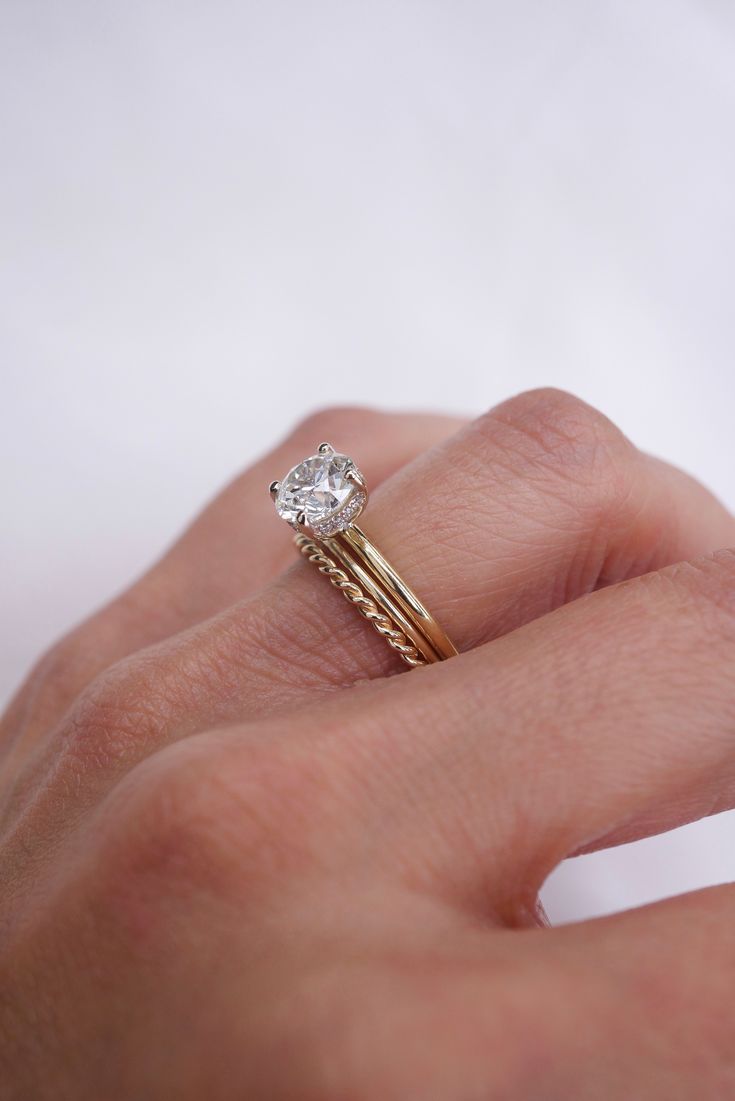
{"points": [[406, 598], [361, 573], [365, 605], [321, 498]]}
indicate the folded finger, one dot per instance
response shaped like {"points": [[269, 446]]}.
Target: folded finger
{"points": [[230, 551], [610, 719], [640, 1004], [526, 508]]}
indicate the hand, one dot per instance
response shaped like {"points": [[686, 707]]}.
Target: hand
{"points": [[241, 860]]}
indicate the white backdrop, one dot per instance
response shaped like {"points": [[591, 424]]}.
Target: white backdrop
{"points": [[215, 216]]}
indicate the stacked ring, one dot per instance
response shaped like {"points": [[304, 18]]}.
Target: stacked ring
{"points": [[321, 498]]}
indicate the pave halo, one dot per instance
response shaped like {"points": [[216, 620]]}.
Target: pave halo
{"points": [[324, 493]]}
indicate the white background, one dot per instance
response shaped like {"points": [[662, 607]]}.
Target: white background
{"points": [[216, 216]]}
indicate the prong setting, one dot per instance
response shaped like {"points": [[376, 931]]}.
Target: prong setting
{"points": [[322, 495]]}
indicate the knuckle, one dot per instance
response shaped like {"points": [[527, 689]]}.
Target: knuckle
{"points": [[147, 697], [562, 433], [118, 713], [167, 827], [215, 814]]}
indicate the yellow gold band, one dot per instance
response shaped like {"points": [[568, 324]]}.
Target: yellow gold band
{"points": [[367, 607], [417, 613], [372, 587]]}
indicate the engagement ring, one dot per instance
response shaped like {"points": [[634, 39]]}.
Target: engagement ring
{"points": [[321, 498]]}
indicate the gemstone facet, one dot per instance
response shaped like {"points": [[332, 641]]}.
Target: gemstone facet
{"points": [[324, 491]]}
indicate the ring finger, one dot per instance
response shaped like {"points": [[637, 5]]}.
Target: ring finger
{"points": [[532, 505]]}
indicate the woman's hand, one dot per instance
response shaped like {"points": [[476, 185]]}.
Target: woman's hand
{"points": [[240, 860]]}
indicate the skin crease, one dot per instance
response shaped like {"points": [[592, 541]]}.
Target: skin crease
{"points": [[241, 858]]}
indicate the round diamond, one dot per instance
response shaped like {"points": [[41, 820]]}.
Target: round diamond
{"points": [[320, 488]]}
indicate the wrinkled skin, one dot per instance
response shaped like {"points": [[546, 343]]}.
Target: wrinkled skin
{"points": [[241, 858]]}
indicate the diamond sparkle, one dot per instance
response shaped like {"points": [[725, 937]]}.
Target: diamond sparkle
{"points": [[321, 489]]}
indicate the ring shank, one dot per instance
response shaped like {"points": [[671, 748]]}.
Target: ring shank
{"points": [[362, 557], [369, 608], [366, 580]]}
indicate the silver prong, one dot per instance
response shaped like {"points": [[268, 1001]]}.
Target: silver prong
{"points": [[355, 476], [301, 519], [325, 449], [273, 489]]}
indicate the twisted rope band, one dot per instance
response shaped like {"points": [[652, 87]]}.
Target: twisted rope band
{"points": [[367, 607]]}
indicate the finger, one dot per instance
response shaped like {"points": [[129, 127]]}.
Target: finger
{"points": [[532, 505], [539, 501], [640, 1004], [236, 545], [231, 550], [608, 720]]}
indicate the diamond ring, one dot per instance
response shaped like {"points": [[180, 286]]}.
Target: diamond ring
{"points": [[321, 498]]}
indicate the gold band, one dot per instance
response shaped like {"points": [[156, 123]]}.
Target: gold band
{"points": [[365, 579], [367, 607], [321, 498], [365, 571], [404, 596]]}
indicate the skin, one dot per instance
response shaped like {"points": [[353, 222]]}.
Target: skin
{"points": [[242, 858]]}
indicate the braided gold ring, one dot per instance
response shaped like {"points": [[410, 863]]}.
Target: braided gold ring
{"points": [[321, 498]]}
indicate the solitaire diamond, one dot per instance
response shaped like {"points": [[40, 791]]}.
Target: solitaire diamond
{"points": [[325, 490]]}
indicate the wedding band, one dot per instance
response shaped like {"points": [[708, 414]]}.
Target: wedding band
{"points": [[321, 498]]}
